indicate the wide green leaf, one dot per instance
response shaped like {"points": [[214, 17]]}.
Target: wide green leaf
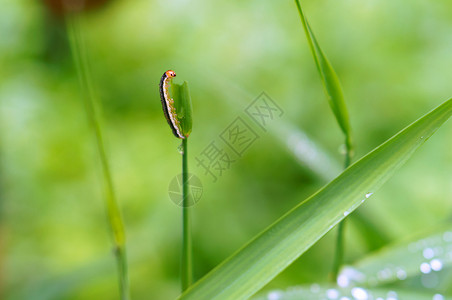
{"points": [[330, 82], [423, 254], [327, 292], [270, 252]]}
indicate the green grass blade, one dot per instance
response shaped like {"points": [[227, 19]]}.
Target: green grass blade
{"points": [[429, 252], [249, 269], [323, 292], [330, 83], [111, 204]]}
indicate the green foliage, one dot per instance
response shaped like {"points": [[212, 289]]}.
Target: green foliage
{"points": [[369, 277], [249, 269], [323, 292], [229, 51]]}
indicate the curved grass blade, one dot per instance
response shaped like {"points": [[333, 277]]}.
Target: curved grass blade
{"points": [[111, 203], [325, 292], [331, 84], [423, 254], [269, 253]]}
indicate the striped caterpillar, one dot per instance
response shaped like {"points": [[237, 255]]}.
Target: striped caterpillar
{"points": [[168, 104]]}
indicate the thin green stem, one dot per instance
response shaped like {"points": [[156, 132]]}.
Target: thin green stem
{"points": [[186, 259], [339, 255], [111, 205]]}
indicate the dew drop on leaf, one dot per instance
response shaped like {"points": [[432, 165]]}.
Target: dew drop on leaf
{"points": [[359, 293], [436, 265], [425, 268], [332, 294], [180, 148], [274, 295]]}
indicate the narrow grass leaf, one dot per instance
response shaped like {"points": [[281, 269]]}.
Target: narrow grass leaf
{"points": [[270, 252], [423, 254], [330, 83], [111, 204]]}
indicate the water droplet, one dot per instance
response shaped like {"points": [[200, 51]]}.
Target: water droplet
{"points": [[343, 281], [275, 295], [344, 298], [332, 294], [180, 148], [401, 274], [438, 297], [422, 137], [392, 295], [436, 265], [350, 274], [428, 253], [359, 293], [368, 195], [425, 268], [346, 213]]}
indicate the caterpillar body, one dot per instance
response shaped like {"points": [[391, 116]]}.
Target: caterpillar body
{"points": [[168, 104]]}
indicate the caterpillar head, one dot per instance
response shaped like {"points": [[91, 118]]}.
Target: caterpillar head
{"points": [[170, 74]]}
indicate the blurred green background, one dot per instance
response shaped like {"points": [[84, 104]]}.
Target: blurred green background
{"points": [[394, 61]]}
